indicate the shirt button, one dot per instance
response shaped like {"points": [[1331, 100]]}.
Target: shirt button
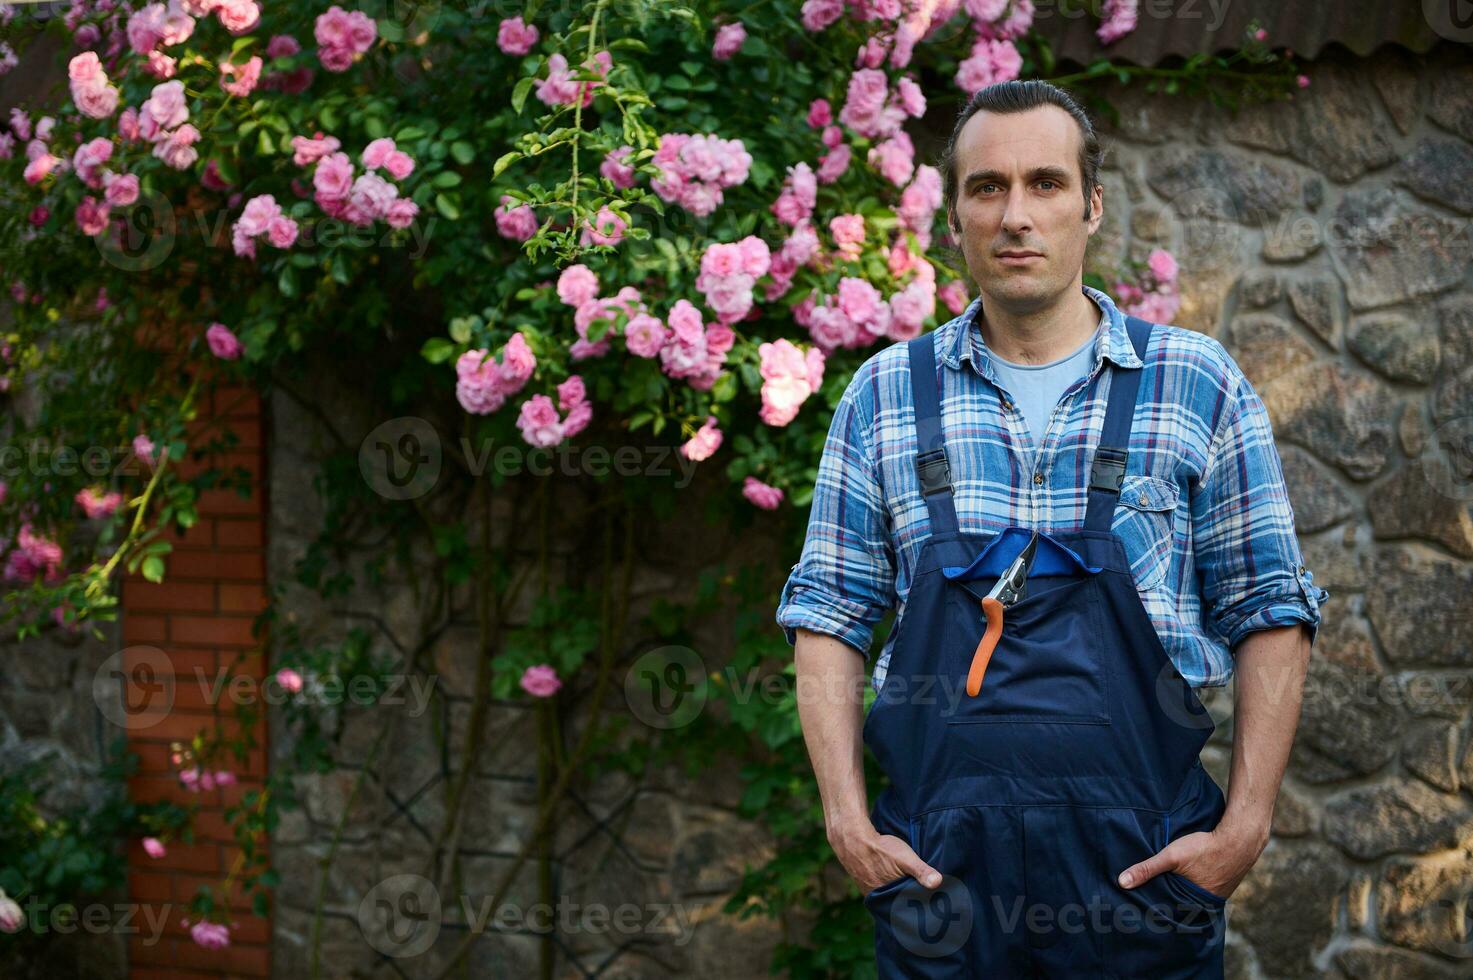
{"points": [[1038, 478], [1142, 499]]}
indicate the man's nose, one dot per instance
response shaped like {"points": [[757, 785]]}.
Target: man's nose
{"points": [[1015, 219]]}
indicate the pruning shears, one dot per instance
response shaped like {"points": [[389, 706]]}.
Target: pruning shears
{"points": [[1010, 588]]}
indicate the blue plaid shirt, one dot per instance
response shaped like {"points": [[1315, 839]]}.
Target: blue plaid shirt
{"points": [[1203, 514]]}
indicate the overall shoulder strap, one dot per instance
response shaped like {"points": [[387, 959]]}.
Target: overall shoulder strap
{"points": [[1107, 470], [932, 467]]}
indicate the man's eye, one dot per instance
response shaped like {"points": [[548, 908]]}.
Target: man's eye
{"points": [[1049, 182]]}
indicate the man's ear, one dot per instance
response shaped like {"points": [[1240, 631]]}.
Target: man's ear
{"points": [[1096, 208]]}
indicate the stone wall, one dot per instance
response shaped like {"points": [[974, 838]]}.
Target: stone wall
{"points": [[1325, 242]]}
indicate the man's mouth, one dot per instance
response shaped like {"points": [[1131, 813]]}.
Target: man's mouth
{"points": [[1018, 257]]}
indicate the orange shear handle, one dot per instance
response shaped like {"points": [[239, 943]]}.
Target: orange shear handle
{"points": [[986, 645]]}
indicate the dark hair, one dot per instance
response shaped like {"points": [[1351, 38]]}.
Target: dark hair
{"points": [[1020, 96]]}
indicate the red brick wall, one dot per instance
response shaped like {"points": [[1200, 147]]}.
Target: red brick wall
{"points": [[200, 618]]}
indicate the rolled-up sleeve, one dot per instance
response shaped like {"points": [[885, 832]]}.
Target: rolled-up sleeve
{"points": [[844, 580], [1252, 570]]}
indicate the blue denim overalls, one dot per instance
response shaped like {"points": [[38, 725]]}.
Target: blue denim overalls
{"points": [[1077, 758]]}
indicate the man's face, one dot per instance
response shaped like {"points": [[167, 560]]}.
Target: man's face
{"points": [[1020, 206]]}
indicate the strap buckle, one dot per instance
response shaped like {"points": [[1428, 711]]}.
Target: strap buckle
{"points": [[934, 471], [1107, 471]]}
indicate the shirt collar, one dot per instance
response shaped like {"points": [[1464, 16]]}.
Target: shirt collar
{"points": [[959, 340]]}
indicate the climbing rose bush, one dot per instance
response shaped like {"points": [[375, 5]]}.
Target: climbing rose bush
{"points": [[674, 223]]}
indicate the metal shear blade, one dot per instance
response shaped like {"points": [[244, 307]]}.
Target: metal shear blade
{"points": [[1012, 585]]}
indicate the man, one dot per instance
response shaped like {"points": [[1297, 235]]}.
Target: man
{"points": [[1047, 813]]}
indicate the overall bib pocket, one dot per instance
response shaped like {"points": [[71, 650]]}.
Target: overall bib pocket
{"points": [[1048, 665], [1145, 524]]}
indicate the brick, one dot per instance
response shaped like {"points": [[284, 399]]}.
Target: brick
{"points": [[223, 631], [184, 725], [142, 628], [144, 596], [233, 532], [236, 400], [187, 660], [227, 463], [149, 887], [241, 598], [227, 501], [178, 856], [249, 961], [229, 566]]}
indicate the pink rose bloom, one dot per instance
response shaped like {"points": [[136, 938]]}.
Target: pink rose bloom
{"points": [[238, 16], [281, 232], [705, 442], [818, 14], [290, 680], [401, 212], [282, 46], [644, 335], [539, 422], [164, 109], [559, 88], [515, 37], [39, 215], [34, 556], [399, 164], [373, 195], [153, 847], [866, 109], [128, 124], [912, 99], [1162, 265], [848, 232], [333, 178], [607, 228], [161, 65], [341, 36], [1118, 18], [210, 935], [376, 153], [819, 114], [120, 189], [20, 123], [954, 295], [143, 448], [577, 285], [540, 681], [763, 495], [729, 38], [177, 150], [514, 221], [614, 168], [832, 165], [894, 158], [92, 216], [223, 343], [1302, 81], [991, 61], [95, 503], [245, 77], [308, 150], [12, 916]]}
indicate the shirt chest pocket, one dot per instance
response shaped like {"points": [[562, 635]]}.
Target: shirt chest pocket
{"points": [[1145, 522]]}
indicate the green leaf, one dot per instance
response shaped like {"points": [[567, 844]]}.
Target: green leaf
{"points": [[340, 268], [519, 94], [446, 205], [240, 45], [329, 117], [725, 387], [287, 281], [153, 568], [446, 178], [390, 30], [462, 151], [437, 350], [375, 128], [264, 146], [502, 162], [409, 133], [678, 82]]}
